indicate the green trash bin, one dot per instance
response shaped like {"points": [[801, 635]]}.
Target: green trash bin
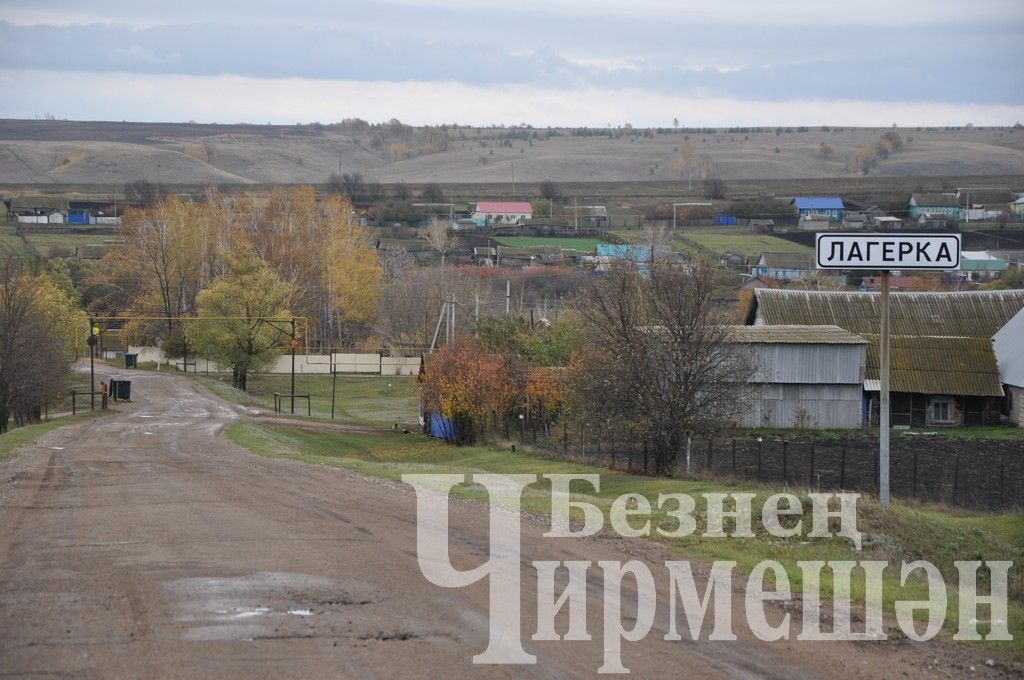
{"points": [[120, 389], [131, 360]]}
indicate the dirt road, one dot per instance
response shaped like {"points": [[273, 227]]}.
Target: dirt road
{"points": [[145, 544]]}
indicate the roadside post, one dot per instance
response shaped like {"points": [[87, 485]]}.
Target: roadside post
{"points": [[886, 253], [94, 331]]}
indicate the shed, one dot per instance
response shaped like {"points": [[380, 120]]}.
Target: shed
{"points": [[805, 376]]}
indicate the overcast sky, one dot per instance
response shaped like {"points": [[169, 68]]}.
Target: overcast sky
{"points": [[545, 62]]}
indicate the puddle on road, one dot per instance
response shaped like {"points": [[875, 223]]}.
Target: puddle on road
{"points": [[268, 605]]}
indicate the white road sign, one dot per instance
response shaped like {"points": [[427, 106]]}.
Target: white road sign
{"points": [[888, 251]]}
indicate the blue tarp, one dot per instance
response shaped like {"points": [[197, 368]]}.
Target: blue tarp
{"points": [[78, 218], [725, 220], [444, 428]]}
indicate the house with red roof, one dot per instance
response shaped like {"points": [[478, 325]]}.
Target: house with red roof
{"points": [[502, 212]]}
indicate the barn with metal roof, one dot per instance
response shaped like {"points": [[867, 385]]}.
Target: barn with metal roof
{"points": [[805, 376], [944, 368]]}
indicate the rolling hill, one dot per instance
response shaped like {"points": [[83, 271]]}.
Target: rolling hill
{"points": [[70, 152]]}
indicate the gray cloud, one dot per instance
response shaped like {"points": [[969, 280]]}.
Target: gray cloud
{"points": [[874, 50]]}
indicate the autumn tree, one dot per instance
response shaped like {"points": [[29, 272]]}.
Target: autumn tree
{"points": [[234, 326], [433, 193], [550, 190], [41, 327], [714, 187], [169, 252], [439, 238], [464, 382], [658, 364]]}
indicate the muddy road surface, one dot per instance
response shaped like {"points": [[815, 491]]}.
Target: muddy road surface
{"points": [[145, 544]]}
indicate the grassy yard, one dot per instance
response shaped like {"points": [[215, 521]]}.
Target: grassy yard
{"points": [[9, 239], [44, 242], [569, 243], [745, 244], [363, 400], [907, 532]]}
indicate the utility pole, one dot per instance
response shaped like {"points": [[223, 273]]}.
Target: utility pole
{"points": [[883, 416], [513, 164], [92, 365], [293, 342]]}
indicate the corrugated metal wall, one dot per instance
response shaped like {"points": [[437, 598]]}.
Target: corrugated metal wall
{"points": [[808, 385], [819, 406], [815, 364]]}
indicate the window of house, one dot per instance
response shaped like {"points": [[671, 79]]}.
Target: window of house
{"points": [[941, 411]]}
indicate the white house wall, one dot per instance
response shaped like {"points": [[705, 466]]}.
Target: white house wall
{"points": [[366, 363]]}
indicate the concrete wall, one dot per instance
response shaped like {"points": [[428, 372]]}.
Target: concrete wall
{"points": [[311, 364], [1016, 396]]}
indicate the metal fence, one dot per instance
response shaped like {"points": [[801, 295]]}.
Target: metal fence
{"points": [[985, 474]]}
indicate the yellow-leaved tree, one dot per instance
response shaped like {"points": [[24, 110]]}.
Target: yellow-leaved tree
{"points": [[242, 317]]}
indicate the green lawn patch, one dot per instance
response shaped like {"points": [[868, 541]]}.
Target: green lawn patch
{"points": [[569, 243], [744, 244], [379, 401], [904, 533], [10, 241]]}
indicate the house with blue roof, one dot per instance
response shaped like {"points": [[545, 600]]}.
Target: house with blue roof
{"points": [[819, 207]]}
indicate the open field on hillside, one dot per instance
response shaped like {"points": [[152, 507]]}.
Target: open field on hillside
{"points": [[68, 152]]}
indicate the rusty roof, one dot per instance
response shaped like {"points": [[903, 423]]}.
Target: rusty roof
{"points": [[976, 314], [796, 335], [955, 366]]}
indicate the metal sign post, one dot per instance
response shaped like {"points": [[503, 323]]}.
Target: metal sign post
{"points": [[886, 252]]}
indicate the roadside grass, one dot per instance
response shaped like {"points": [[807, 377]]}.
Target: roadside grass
{"points": [[570, 243], [19, 436], [379, 401], [905, 533]]}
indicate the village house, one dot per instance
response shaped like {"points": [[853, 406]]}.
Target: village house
{"points": [[1017, 207], [923, 206], [944, 368], [980, 265], [828, 208], [783, 266], [502, 212]]}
